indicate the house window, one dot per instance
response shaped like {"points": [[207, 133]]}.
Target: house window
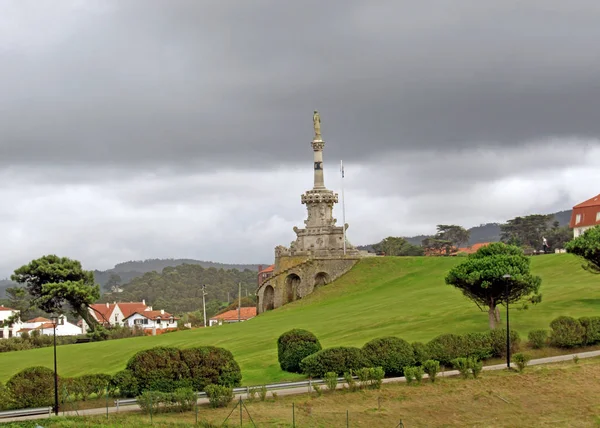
{"points": [[578, 219], [1, 334], [9, 333], [598, 216], [140, 321]]}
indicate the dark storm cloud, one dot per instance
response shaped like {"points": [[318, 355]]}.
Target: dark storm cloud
{"points": [[136, 84]]}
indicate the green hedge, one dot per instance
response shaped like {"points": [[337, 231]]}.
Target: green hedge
{"points": [[340, 360], [32, 387], [295, 345], [392, 354], [567, 332]]}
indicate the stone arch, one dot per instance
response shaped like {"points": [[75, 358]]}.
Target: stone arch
{"points": [[268, 298], [292, 283], [322, 278]]}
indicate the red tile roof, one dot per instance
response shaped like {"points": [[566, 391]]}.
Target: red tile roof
{"points": [[129, 309], [592, 202], [38, 319], [4, 308], [245, 314], [269, 269], [473, 248], [102, 311]]}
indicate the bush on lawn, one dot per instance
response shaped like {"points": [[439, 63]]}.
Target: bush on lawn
{"points": [[32, 387], [591, 325], [211, 365], [159, 369], [479, 345], [85, 386], [498, 338], [339, 360], [538, 338], [447, 347], [392, 354], [182, 399], [7, 400], [420, 352], [124, 384], [219, 396], [295, 345], [567, 332]]}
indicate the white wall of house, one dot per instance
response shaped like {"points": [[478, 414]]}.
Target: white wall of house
{"points": [[7, 331], [577, 231], [64, 328], [138, 320]]}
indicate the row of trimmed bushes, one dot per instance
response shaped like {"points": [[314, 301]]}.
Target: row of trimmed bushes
{"points": [[300, 351], [567, 332], [164, 369]]}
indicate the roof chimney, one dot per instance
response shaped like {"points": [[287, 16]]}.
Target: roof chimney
{"points": [[162, 311], [144, 302], [107, 304]]}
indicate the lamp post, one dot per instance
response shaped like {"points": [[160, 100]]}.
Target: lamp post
{"points": [[54, 319], [507, 278], [204, 302]]}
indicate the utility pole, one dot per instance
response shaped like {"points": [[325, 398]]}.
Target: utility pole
{"points": [[239, 302], [204, 302]]}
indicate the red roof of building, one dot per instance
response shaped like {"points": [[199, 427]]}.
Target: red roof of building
{"points": [[4, 308], [592, 202], [473, 248], [269, 269], [38, 319], [129, 309], [102, 311], [245, 314]]}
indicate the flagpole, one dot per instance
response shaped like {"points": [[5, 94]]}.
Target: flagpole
{"points": [[343, 207]]}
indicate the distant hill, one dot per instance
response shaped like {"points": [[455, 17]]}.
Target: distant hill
{"points": [[4, 284], [489, 232], [135, 269]]}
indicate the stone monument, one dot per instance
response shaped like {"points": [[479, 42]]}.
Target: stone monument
{"points": [[317, 255]]}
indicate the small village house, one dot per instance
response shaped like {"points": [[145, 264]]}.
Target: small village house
{"points": [[233, 316], [46, 327], [585, 215], [7, 328], [152, 320], [264, 274], [122, 314]]}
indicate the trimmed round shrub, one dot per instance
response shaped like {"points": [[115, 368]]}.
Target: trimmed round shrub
{"points": [[567, 332], [447, 347], [295, 345], [32, 387], [478, 345], [498, 341], [392, 354], [537, 338], [211, 365], [7, 401], [591, 325], [124, 384], [340, 360], [420, 352], [159, 369]]}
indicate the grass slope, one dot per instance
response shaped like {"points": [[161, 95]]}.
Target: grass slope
{"points": [[404, 296]]}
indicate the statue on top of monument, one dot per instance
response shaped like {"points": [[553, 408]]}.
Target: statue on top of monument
{"points": [[317, 125]]}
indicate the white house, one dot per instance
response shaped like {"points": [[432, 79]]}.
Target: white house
{"points": [[585, 216], [9, 329], [113, 314], [46, 326], [152, 320]]}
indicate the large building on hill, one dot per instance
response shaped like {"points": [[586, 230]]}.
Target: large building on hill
{"points": [[320, 253], [585, 215]]}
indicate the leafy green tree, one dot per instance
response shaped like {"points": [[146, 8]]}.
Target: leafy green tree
{"points": [[396, 246], [114, 281], [558, 236], [526, 231], [457, 235], [587, 246], [480, 278], [55, 282]]}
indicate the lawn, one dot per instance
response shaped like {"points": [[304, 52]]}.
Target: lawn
{"points": [[403, 296], [557, 395]]}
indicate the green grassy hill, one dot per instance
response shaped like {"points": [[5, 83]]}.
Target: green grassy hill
{"points": [[404, 296]]}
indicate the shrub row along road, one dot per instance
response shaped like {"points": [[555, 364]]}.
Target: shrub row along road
{"points": [[304, 390]]}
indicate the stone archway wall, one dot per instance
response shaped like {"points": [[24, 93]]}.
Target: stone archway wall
{"points": [[268, 299], [313, 273], [292, 283]]}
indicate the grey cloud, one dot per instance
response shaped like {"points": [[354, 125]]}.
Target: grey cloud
{"points": [[177, 82]]}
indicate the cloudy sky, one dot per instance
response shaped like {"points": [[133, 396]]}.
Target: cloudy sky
{"points": [[133, 129]]}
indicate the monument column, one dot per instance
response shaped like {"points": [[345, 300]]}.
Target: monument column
{"points": [[318, 144]]}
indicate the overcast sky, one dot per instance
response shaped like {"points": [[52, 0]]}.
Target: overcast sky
{"points": [[134, 129]]}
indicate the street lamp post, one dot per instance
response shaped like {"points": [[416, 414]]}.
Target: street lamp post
{"points": [[507, 278], [54, 323], [204, 302]]}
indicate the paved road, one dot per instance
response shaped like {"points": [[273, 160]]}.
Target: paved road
{"points": [[304, 390]]}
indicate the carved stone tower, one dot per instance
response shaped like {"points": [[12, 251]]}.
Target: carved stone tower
{"points": [[317, 256]]}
